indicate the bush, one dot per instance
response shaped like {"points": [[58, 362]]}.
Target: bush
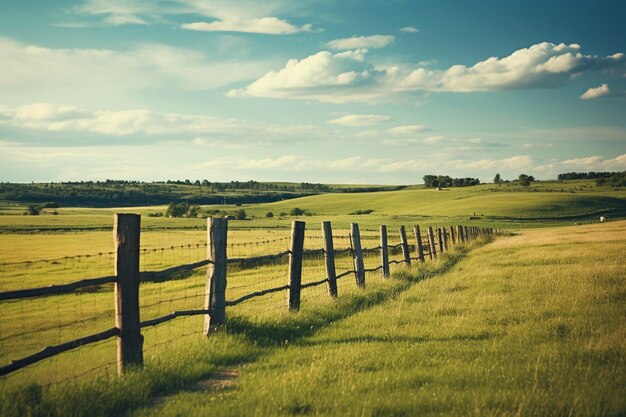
{"points": [[269, 214], [241, 214], [361, 212], [296, 212]]}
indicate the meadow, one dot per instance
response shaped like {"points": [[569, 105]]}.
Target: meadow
{"points": [[528, 324]]}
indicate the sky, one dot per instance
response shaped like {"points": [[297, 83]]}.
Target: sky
{"points": [[351, 91]]}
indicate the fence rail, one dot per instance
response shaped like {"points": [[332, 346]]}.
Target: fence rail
{"points": [[128, 278]]}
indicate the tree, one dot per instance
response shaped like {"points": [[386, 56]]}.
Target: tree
{"points": [[177, 209], [241, 214], [525, 180], [497, 179], [32, 210], [269, 214], [296, 211]]}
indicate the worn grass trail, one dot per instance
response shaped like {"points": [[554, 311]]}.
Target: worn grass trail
{"points": [[533, 324]]}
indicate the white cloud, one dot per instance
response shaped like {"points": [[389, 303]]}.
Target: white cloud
{"points": [[264, 25], [141, 123], [355, 120], [597, 92], [361, 42], [541, 65], [407, 130], [327, 77], [409, 29], [225, 15], [348, 77], [35, 73]]}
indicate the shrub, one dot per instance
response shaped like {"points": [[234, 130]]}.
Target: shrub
{"points": [[269, 214]]}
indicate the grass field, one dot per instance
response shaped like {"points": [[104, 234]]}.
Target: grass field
{"points": [[530, 324]]}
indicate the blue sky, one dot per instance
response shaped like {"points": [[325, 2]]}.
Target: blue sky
{"points": [[318, 91]]}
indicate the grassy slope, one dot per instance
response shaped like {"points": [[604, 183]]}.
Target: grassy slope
{"points": [[529, 325]]}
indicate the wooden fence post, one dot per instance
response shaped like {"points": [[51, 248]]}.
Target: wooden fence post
{"points": [[405, 246], [431, 243], [384, 254], [359, 266], [439, 240], [215, 298], [418, 243], [460, 238], [329, 258], [444, 232], [452, 235], [295, 264], [130, 341]]}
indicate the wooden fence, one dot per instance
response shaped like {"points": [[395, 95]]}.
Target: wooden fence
{"points": [[127, 279]]}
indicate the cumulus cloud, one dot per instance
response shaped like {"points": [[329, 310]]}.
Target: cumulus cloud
{"points": [[361, 42], [327, 77], [597, 92], [349, 77], [541, 65], [356, 120]]}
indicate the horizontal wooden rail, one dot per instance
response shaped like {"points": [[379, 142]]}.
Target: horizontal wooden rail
{"points": [[256, 294], [343, 274], [374, 269], [172, 316], [314, 283], [55, 350], [56, 289]]}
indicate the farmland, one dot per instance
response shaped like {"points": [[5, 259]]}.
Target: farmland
{"points": [[530, 323]]}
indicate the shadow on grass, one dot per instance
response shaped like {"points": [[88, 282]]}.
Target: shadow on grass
{"points": [[303, 324]]}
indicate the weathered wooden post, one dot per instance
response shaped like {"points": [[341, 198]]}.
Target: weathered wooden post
{"points": [[384, 253], [466, 233], [444, 232], [461, 236], [405, 246], [130, 341], [452, 235], [215, 299], [359, 266], [418, 243], [439, 240], [329, 258], [295, 264], [431, 243]]}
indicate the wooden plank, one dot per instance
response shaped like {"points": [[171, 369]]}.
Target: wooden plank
{"points": [[130, 341], [295, 265], [444, 233], [359, 266], [453, 237], [405, 246], [461, 234], [329, 259], [418, 243], [384, 251], [215, 301]]}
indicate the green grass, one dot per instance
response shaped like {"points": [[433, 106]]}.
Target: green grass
{"points": [[530, 324]]}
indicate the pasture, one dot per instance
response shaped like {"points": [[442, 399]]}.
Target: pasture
{"points": [[529, 324]]}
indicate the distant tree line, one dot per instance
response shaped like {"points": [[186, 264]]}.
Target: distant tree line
{"points": [[616, 179], [584, 175], [447, 181]]}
